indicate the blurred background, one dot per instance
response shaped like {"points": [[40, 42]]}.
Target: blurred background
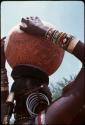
{"points": [[66, 16]]}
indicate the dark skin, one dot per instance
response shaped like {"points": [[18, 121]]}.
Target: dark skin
{"points": [[65, 109], [4, 80], [33, 23], [2, 52]]}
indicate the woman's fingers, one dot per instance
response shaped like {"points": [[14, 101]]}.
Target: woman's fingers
{"points": [[37, 18], [31, 21], [21, 27], [31, 18], [27, 17], [3, 38], [26, 21], [32, 25], [24, 24]]}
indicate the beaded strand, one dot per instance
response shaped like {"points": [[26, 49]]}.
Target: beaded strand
{"points": [[60, 38]]}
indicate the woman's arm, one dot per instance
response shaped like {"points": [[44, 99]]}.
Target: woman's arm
{"points": [[68, 42], [67, 107], [2, 52], [79, 52], [63, 110], [4, 80]]}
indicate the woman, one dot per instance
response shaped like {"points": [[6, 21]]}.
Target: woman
{"points": [[65, 109], [4, 80], [54, 115]]}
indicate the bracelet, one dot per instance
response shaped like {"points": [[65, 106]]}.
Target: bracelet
{"points": [[59, 37], [49, 33], [64, 40], [72, 44], [55, 36], [4, 79]]}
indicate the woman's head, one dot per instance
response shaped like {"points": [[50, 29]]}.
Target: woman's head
{"points": [[31, 89]]}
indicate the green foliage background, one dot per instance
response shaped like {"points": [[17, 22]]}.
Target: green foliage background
{"points": [[57, 88]]}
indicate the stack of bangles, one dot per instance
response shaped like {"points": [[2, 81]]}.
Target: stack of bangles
{"points": [[4, 80], [64, 40]]}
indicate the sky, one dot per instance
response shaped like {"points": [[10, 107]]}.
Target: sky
{"points": [[66, 16]]}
